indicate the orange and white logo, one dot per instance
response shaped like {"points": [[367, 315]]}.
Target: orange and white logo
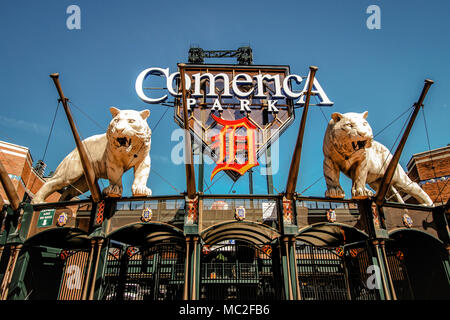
{"points": [[228, 144]]}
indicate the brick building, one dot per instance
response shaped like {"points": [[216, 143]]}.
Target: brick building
{"points": [[431, 170], [26, 179]]}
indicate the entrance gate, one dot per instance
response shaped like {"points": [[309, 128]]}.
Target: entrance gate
{"points": [[332, 273], [140, 273], [419, 265], [321, 273], [233, 270], [358, 261], [399, 274]]}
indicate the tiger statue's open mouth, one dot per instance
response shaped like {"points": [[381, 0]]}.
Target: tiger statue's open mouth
{"points": [[123, 142], [360, 144]]}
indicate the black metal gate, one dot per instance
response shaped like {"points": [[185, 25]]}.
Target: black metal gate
{"points": [[399, 274], [357, 262], [238, 270], [139, 273], [333, 273], [321, 273]]}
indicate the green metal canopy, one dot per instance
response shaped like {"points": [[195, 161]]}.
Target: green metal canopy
{"points": [[67, 238], [331, 234], [254, 232], [146, 234]]}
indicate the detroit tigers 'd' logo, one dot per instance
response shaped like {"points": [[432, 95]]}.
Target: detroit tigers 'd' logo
{"points": [[237, 152]]}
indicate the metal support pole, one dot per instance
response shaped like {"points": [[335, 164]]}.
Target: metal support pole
{"points": [[201, 170], [382, 267], [268, 153], [94, 276], [89, 267], [387, 177], [188, 156], [295, 162], [85, 162], [8, 186], [194, 269], [201, 167], [186, 270], [388, 271], [288, 263], [269, 171], [295, 268]]}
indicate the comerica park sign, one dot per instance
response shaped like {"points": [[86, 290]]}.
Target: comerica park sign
{"points": [[235, 111], [240, 83]]}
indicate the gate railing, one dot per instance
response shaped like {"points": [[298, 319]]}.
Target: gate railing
{"points": [[155, 273]]}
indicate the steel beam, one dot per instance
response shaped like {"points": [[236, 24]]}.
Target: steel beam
{"points": [[85, 162], [188, 156], [389, 173], [295, 162]]}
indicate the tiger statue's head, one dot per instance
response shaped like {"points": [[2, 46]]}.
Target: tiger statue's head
{"points": [[348, 133], [128, 130]]}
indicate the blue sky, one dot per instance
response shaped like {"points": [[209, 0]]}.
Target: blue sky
{"points": [[381, 71]]}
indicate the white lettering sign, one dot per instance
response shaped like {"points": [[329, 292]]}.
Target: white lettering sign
{"points": [[282, 89]]}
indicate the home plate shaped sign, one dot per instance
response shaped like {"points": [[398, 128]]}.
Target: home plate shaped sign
{"points": [[235, 111]]}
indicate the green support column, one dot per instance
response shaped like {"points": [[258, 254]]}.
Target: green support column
{"points": [[294, 271], [199, 255], [372, 217], [102, 263], [287, 274], [187, 269], [17, 289], [195, 268], [88, 271], [94, 284], [99, 253]]}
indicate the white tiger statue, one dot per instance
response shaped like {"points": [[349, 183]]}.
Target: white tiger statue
{"points": [[348, 146], [125, 145]]}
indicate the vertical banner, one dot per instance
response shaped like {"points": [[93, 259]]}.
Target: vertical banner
{"points": [[73, 274]]}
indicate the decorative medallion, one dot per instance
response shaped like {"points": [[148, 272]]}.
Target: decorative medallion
{"points": [[62, 219], [146, 215], [407, 221], [331, 215], [400, 256], [354, 252], [64, 254], [131, 251], [240, 213], [339, 251], [115, 252], [267, 249], [206, 249]]}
